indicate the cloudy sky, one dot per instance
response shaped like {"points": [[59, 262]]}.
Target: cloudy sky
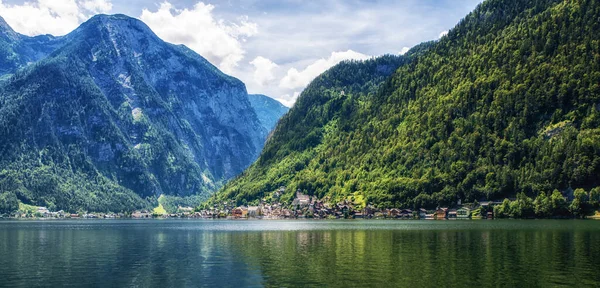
{"points": [[275, 46]]}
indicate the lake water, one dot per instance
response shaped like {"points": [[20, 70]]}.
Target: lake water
{"points": [[183, 253]]}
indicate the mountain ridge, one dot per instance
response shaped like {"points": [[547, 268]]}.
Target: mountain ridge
{"points": [[115, 117]]}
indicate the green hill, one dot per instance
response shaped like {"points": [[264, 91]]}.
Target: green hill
{"points": [[507, 102]]}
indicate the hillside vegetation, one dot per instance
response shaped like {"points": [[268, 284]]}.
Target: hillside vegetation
{"points": [[507, 102]]}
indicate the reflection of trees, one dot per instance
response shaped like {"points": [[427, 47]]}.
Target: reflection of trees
{"points": [[513, 257], [147, 254]]}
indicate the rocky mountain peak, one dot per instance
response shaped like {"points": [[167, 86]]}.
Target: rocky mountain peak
{"points": [[6, 31]]}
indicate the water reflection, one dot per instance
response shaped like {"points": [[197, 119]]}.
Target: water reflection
{"points": [[300, 253]]}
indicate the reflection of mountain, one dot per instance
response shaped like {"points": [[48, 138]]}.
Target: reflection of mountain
{"points": [[119, 253], [299, 253]]}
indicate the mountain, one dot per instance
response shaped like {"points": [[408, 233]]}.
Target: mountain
{"points": [[507, 102], [268, 110], [323, 106], [115, 117], [18, 51]]}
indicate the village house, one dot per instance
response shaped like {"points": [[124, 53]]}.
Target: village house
{"points": [[463, 213], [311, 207], [406, 214], [301, 200], [276, 213], [422, 213], [254, 211], [452, 214], [286, 213], [441, 214], [239, 212], [319, 205], [185, 209], [358, 215], [266, 210], [324, 212], [141, 214], [369, 211]]}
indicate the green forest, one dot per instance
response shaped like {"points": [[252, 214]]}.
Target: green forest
{"points": [[506, 104]]}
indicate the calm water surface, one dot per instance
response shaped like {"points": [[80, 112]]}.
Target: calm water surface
{"points": [[182, 253]]}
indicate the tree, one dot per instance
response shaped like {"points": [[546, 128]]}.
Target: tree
{"points": [[580, 205], [542, 206], [8, 203], [503, 210], [522, 207], [595, 198], [558, 204]]}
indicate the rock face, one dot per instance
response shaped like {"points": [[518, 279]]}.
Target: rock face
{"points": [[113, 103], [268, 110]]}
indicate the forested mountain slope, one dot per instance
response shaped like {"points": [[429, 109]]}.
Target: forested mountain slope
{"points": [[115, 117], [507, 102]]}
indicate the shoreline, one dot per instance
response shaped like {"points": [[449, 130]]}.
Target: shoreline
{"points": [[5, 219]]}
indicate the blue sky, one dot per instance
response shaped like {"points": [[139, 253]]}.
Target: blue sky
{"points": [[275, 46]]}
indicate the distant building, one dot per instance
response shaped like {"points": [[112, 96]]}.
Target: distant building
{"points": [[239, 212], [185, 209], [463, 213], [406, 214], [452, 214], [422, 213], [441, 214], [301, 200], [254, 211], [141, 214]]}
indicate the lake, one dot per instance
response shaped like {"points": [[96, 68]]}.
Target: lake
{"points": [[187, 253]]}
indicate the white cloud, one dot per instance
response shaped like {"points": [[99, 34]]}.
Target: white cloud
{"points": [[299, 79], [57, 17], [443, 33], [97, 6], [287, 99], [229, 39], [263, 70], [216, 40], [404, 50]]}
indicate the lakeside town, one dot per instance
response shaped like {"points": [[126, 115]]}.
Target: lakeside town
{"points": [[302, 207]]}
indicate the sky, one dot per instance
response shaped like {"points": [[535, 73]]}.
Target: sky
{"points": [[276, 47]]}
